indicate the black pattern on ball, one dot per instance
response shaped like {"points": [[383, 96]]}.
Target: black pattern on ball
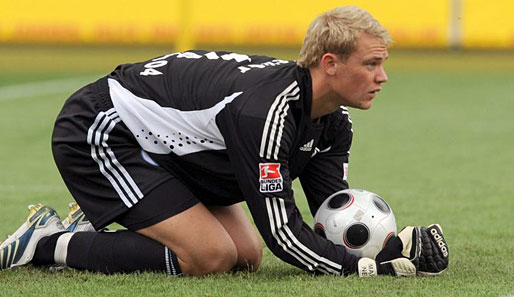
{"points": [[339, 201], [356, 235], [381, 204]]}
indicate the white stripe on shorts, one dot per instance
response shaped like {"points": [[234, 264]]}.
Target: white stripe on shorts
{"points": [[120, 179]]}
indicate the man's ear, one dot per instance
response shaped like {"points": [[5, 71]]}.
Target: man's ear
{"points": [[328, 63]]}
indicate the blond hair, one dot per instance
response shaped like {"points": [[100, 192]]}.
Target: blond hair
{"points": [[336, 31]]}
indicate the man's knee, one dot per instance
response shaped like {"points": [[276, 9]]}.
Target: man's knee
{"points": [[217, 257], [250, 256], [198, 239]]}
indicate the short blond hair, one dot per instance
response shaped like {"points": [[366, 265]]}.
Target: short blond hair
{"points": [[336, 31]]}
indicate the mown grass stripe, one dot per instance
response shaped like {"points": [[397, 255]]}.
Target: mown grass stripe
{"points": [[42, 88]]}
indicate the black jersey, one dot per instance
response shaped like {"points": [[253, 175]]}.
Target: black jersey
{"points": [[238, 128]]}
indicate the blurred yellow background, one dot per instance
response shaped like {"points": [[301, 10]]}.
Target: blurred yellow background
{"points": [[186, 24]]}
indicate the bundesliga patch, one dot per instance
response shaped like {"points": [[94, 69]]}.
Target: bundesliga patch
{"points": [[270, 178]]}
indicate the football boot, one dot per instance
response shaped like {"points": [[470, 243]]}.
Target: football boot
{"points": [[18, 249]]}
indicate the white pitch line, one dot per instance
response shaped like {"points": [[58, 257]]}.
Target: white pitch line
{"points": [[39, 88]]}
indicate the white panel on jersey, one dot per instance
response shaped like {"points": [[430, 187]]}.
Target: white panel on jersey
{"points": [[162, 130]]}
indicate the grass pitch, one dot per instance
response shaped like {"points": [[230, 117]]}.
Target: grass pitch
{"points": [[437, 145]]}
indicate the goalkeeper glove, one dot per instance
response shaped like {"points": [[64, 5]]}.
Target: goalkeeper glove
{"points": [[397, 267], [435, 255], [416, 250]]}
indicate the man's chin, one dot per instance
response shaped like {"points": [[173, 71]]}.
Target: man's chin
{"points": [[364, 105]]}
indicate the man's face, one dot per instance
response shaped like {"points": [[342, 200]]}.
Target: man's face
{"points": [[357, 80]]}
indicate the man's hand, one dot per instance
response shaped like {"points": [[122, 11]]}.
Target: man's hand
{"points": [[416, 250]]}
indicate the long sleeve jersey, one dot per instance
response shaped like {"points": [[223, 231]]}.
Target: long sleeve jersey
{"points": [[238, 128]]}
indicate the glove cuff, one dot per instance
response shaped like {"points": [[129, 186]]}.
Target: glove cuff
{"points": [[398, 267], [367, 267], [408, 237]]}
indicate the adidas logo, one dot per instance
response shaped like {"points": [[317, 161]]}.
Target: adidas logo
{"points": [[308, 146]]}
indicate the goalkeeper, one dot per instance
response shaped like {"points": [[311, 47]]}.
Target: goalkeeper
{"points": [[169, 148]]}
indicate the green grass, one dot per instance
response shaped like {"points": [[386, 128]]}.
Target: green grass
{"points": [[437, 145]]}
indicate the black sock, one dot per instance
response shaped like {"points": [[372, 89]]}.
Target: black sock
{"points": [[120, 252], [45, 249]]}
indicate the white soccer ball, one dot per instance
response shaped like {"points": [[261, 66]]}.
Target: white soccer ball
{"points": [[360, 220]]}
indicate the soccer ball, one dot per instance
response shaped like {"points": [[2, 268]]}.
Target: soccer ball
{"points": [[360, 220]]}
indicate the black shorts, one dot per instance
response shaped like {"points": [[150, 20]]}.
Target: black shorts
{"points": [[105, 169]]}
